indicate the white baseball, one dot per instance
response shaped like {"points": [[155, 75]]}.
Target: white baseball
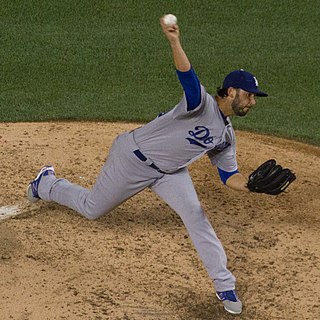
{"points": [[170, 19]]}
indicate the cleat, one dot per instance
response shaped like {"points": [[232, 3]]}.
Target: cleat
{"points": [[32, 189], [230, 301]]}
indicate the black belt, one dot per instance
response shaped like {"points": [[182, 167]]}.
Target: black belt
{"points": [[143, 158]]}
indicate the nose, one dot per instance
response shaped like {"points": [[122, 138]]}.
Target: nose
{"points": [[253, 101]]}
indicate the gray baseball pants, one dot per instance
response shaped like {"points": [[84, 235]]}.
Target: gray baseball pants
{"points": [[122, 176]]}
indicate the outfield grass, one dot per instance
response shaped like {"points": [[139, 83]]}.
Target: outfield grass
{"points": [[108, 60]]}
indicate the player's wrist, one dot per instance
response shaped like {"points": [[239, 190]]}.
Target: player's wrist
{"points": [[175, 42]]}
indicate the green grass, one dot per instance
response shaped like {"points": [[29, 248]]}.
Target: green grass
{"points": [[108, 60]]}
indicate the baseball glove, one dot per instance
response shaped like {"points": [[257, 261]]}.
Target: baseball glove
{"points": [[270, 178]]}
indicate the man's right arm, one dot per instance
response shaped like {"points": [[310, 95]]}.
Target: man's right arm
{"points": [[180, 58], [186, 75]]}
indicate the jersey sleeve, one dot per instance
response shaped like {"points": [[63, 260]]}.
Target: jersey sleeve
{"points": [[181, 110], [191, 86], [226, 160], [224, 175]]}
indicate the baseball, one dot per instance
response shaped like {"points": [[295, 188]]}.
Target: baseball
{"points": [[170, 19]]}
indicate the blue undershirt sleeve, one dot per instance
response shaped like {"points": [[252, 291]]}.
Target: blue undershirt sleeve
{"points": [[191, 86], [224, 175]]}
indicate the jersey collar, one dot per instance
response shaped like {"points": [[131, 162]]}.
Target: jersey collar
{"points": [[226, 122]]}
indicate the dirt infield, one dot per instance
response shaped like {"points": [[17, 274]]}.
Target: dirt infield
{"points": [[137, 262]]}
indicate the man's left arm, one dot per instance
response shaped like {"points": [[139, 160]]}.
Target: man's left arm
{"points": [[237, 182], [233, 179]]}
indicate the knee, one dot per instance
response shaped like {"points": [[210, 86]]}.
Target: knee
{"points": [[91, 216], [93, 212], [194, 207], [193, 213]]}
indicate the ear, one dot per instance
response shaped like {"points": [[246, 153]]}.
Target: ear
{"points": [[232, 92]]}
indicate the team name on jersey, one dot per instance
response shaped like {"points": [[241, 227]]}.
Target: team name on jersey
{"points": [[201, 137]]}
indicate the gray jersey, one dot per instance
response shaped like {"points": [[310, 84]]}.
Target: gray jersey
{"points": [[179, 137]]}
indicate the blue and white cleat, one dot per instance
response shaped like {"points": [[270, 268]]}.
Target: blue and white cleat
{"points": [[32, 189], [230, 301]]}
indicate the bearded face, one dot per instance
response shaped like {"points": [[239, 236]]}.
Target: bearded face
{"points": [[242, 102]]}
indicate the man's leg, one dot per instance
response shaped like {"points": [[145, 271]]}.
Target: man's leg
{"points": [[178, 192], [106, 194], [122, 176]]}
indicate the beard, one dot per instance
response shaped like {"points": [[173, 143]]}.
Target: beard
{"points": [[236, 107]]}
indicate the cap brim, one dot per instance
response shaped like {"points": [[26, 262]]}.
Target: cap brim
{"points": [[259, 93]]}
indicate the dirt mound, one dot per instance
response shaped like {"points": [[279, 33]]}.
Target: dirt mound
{"points": [[137, 262]]}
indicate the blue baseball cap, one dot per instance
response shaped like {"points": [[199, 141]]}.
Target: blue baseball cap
{"points": [[244, 80]]}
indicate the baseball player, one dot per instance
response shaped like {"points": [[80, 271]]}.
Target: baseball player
{"points": [[157, 154]]}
